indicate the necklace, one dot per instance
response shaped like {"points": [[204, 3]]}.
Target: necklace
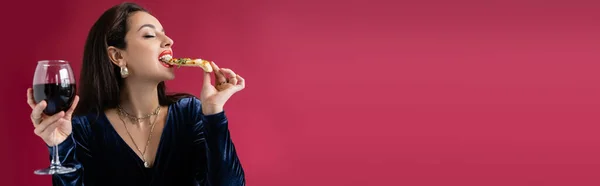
{"points": [[146, 164], [134, 118]]}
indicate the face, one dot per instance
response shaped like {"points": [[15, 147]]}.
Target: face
{"points": [[146, 41]]}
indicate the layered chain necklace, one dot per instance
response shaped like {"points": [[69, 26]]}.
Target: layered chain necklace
{"points": [[133, 119]]}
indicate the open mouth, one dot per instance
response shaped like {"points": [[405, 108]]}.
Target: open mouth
{"points": [[164, 57]]}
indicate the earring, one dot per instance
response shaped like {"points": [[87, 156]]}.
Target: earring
{"points": [[124, 72]]}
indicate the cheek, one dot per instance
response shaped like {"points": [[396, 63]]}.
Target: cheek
{"points": [[147, 66], [143, 53], [142, 57], [140, 49]]}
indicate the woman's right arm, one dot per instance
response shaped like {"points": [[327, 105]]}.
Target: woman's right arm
{"points": [[68, 132], [73, 152]]}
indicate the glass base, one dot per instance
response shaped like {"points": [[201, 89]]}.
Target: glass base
{"points": [[55, 170]]}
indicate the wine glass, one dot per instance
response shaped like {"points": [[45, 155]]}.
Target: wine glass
{"points": [[54, 82]]}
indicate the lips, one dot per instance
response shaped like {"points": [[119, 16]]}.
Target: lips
{"points": [[165, 54]]}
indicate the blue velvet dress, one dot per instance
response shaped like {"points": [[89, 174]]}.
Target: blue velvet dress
{"points": [[194, 149]]}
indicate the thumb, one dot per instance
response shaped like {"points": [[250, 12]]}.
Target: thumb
{"points": [[73, 106], [207, 79]]}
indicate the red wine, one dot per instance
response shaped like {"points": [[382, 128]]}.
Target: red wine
{"points": [[59, 97]]}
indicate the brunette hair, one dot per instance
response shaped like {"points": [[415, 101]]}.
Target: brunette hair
{"points": [[100, 82]]}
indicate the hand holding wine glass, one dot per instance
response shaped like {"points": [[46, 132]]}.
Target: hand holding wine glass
{"points": [[53, 101], [52, 129]]}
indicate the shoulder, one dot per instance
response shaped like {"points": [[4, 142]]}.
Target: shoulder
{"points": [[85, 121], [187, 104], [80, 119], [187, 107], [188, 101], [82, 125]]}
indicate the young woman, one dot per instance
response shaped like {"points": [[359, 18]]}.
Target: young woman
{"points": [[123, 129]]}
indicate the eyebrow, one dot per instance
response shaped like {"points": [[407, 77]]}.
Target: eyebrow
{"points": [[150, 26]]}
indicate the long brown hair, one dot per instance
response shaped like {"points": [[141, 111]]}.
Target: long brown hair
{"points": [[100, 82]]}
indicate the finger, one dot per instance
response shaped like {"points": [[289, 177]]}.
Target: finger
{"points": [[36, 113], [232, 89], [242, 83], [47, 122], [30, 99], [206, 79], [51, 128], [230, 75], [73, 106], [219, 77], [214, 66]]}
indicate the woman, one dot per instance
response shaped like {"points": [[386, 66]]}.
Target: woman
{"points": [[126, 130]]}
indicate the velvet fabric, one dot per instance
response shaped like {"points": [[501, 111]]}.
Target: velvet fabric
{"points": [[194, 149]]}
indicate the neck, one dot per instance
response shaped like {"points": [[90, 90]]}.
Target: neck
{"points": [[139, 98]]}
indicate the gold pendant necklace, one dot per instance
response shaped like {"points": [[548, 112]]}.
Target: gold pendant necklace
{"points": [[146, 164]]}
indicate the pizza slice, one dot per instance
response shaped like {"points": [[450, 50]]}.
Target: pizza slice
{"points": [[187, 62]]}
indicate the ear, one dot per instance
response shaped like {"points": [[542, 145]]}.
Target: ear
{"points": [[116, 56]]}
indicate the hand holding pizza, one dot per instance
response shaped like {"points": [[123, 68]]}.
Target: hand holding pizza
{"points": [[213, 98]]}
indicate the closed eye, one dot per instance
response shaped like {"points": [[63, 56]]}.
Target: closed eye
{"points": [[149, 36]]}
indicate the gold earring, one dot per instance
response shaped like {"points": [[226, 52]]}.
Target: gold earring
{"points": [[124, 72]]}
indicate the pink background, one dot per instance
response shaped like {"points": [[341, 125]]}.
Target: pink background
{"points": [[419, 93]]}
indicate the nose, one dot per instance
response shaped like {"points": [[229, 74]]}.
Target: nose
{"points": [[168, 42]]}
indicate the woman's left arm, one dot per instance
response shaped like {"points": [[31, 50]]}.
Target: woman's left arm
{"points": [[224, 167], [212, 128]]}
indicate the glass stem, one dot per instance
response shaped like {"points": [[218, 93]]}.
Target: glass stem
{"points": [[55, 161]]}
